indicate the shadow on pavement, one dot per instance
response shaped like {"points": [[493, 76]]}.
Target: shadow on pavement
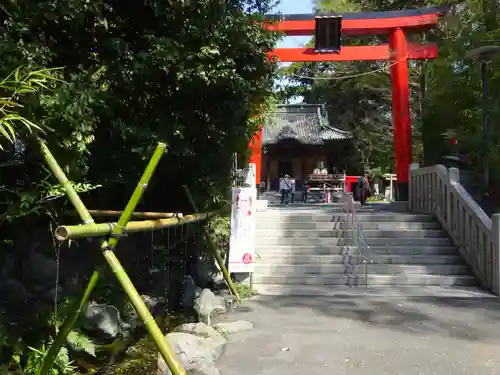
{"points": [[474, 319]]}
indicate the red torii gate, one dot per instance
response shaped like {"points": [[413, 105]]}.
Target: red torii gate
{"points": [[395, 24]]}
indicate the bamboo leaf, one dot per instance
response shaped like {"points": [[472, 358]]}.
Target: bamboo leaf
{"points": [[10, 103], [30, 125], [20, 83], [17, 74], [5, 125], [26, 90]]}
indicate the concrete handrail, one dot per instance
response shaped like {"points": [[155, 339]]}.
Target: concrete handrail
{"points": [[358, 238], [436, 190]]}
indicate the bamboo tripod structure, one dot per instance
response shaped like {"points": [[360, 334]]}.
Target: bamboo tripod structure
{"points": [[108, 248], [115, 231]]}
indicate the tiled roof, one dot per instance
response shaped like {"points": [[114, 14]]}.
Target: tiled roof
{"points": [[305, 123]]}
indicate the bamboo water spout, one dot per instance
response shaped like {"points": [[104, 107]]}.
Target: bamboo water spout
{"points": [[71, 232]]}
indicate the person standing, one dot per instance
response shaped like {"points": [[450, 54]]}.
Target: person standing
{"points": [[292, 189], [305, 191], [363, 189], [285, 188]]}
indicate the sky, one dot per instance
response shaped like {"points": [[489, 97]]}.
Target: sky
{"points": [[293, 7]]}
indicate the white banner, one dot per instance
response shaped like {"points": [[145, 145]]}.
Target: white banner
{"points": [[242, 237], [251, 175]]}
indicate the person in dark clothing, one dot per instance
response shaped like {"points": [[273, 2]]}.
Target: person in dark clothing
{"points": [[305, 192], [363, 189]]}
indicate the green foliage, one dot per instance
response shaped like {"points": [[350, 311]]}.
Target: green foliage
{"points": [[79, 341], [376, 173], [109, 79], [244, 290], [189, 73], [62, 366], [17, 85], [219, 226], [23, 202]]}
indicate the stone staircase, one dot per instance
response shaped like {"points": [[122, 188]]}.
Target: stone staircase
{"points": [[300, 252]]}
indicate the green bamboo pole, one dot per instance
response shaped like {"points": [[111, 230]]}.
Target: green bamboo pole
{"points": [[71, 232], [138, 192], [75, 309], [150, 215], [215, 252], [77, 306], [63, 180], [74, 312], [108, 247]]}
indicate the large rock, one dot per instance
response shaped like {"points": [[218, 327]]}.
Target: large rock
{"points": [[155, 305], [228, 328], [150, 302], [206, 273], [231, 303], [208, 305], [103, 320], [189, 289], [213, 339], [193, 353]]}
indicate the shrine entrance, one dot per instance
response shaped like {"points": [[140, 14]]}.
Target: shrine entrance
{"points": [[328, 30]]}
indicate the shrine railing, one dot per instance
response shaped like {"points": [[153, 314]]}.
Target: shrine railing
{"points": [[436, 190], [356, 254]]}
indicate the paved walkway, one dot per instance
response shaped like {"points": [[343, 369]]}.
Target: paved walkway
{"points": [[374, 335]]}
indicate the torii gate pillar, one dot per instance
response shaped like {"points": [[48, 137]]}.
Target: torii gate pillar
{"points": [[401, 110]]}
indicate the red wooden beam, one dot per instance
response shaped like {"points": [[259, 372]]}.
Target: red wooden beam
{"points": [[367, 26], [354, 53]]}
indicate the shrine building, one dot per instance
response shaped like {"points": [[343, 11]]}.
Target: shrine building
{"points": [[298, 140]]}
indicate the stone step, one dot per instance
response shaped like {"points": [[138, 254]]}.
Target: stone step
{"points": [[332, 241], [368, 233], [321, 270], [312, 203], [329, 249], [394, 280], [394, 217], [310, 259], [339, 291], [413, 249], [276, 225], [326, 215]]}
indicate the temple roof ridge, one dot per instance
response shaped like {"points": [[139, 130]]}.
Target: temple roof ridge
{"points": [[302, 122]]}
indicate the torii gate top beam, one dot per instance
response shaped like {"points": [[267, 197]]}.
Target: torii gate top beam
{"points": [[365, 23]]}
